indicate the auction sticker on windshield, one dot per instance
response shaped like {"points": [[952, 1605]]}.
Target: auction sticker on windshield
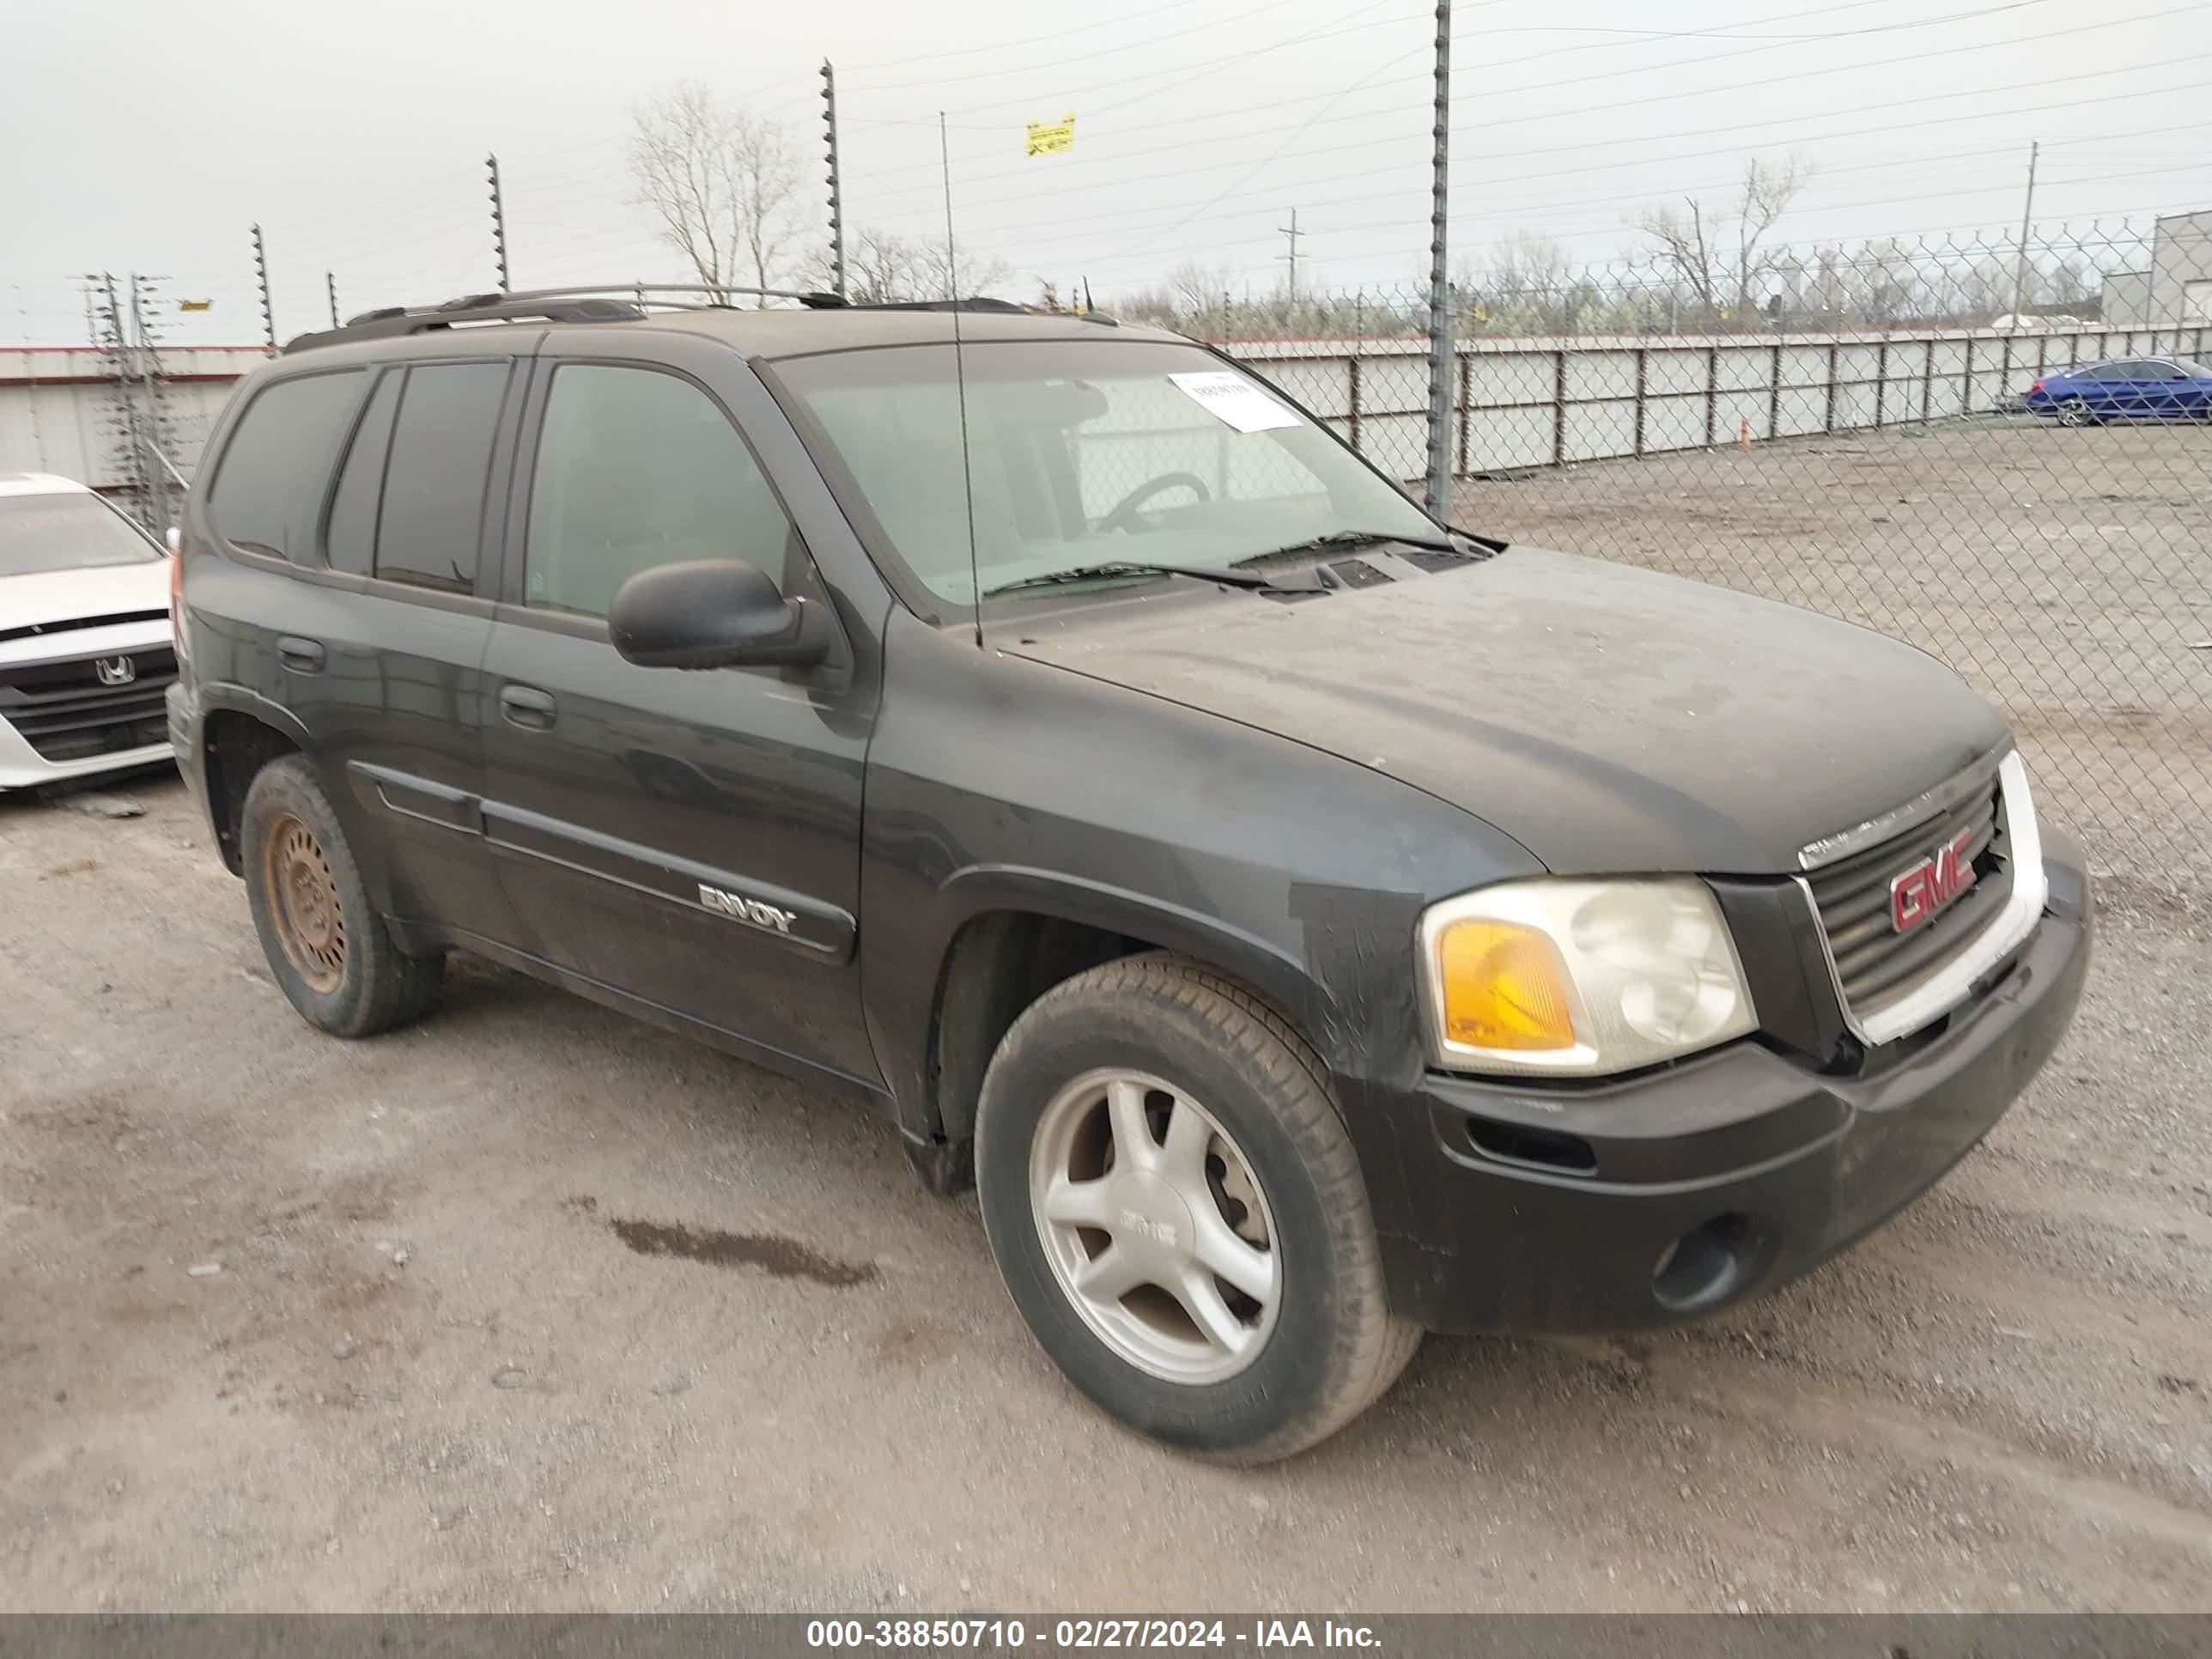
{"points": [[1235, 399]]}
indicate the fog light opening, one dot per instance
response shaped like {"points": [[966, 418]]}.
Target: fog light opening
{"points": [[1708, 1264], [1532, 1148]]}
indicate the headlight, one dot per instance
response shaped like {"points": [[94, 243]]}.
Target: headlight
{"points": [[1579, 978]]}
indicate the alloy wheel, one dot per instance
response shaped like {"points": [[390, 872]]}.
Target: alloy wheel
{"points": [[1156, 1226]]}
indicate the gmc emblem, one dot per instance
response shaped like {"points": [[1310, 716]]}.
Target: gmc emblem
{"points": [[1918, 893]]}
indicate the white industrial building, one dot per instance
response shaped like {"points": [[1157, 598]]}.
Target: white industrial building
{"points": [[58, 407], [2175, 291]]}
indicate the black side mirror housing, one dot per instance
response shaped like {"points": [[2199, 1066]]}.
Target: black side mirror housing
{"points": [[713, 613]]}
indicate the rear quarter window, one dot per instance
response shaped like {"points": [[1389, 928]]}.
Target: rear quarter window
{"points": [[268, 487], [435, 472]]}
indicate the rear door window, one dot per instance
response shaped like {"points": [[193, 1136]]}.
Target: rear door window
{"points": [[268, 492], [431, 523], [350, 543]]}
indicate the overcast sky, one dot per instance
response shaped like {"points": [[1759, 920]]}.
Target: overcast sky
{"points": [[150, 136]]}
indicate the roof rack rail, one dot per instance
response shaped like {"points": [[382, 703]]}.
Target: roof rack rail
{"points": [[596, 302], [600, 302], [973, 302]]}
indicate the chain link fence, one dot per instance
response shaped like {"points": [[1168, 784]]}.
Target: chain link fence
{"points": [[2004, 457]]}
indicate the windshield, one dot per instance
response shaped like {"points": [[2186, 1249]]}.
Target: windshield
{"points": [[2194, 370], [65, 531], [1084, 452]]}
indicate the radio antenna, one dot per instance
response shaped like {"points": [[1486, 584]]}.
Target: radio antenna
{"points": [[960, 376]]}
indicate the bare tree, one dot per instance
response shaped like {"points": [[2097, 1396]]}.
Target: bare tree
{"points": [[1524, 283], [720, 179], [884, 270], [1715, 249], [1197, 288]]}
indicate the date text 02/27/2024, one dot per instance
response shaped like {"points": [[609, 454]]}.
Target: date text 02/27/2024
{"points": [[1083, 1635]]}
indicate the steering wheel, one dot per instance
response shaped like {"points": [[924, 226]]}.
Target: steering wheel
{"points": [[1124, 516]]}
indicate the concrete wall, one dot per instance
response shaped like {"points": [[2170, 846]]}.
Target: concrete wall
{"points": [[2126, 300], [56, 405], [2176, 288], [1537, 402]]}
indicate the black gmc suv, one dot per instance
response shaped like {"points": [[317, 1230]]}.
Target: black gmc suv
{"points": [[1310, 925]]}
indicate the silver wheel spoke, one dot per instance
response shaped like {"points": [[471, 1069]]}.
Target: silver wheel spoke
{"points": [[1182, 1156], [1201, 1299], [1133, 1145], [1078, 1204], [1223, 1253], [1108, 1276]]}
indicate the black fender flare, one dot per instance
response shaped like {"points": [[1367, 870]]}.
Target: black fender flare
{"points": [[1271, 971]]}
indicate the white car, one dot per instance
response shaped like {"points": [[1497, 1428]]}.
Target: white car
{"points": [[85, 642]]}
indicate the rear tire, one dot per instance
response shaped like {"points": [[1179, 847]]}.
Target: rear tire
{"points": [[2075, 412], [1244, 1191], [328, 949]]}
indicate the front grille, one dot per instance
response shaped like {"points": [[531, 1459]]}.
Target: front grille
{"points": [[65, 713], [1876, 966]]}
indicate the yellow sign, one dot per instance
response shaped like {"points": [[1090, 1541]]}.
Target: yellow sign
{"points": [[194, 305], [1051, 137]]}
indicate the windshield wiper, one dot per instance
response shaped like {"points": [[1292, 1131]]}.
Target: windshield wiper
{"points": [[1302, 582], [1340, 538]]}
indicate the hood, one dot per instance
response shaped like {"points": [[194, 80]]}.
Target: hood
{"points": [[1611, 720], [99, 590]]}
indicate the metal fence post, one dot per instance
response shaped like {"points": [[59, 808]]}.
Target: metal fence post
{"points": [[1881, 382], [1353, 403], [1439, 469], [1828, 419], [1465, 401], [1926, 381], [1774, 393], [1560, 408], [261, 282], [1967, 380], [1712, 391], [1639, 400]]}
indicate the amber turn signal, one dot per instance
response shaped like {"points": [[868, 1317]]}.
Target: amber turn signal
{"points": [[1503, 986]]}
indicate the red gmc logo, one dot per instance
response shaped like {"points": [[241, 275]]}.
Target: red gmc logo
{"points": [[1918, 893]]}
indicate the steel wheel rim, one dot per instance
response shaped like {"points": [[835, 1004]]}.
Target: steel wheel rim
{"points": [[1156, 1226], [303, 903]]}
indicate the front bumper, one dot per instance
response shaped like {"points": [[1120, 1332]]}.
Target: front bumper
{"points": [[81, 731], [1667, 1196], [22, 766]]}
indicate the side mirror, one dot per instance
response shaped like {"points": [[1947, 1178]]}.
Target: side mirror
{"points": [[713, 613]]}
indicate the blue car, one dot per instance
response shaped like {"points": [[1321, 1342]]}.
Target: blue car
{"points": [[2126, 389]]}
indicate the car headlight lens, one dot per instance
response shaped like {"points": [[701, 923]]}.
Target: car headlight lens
{"points": [[1579, 978]]}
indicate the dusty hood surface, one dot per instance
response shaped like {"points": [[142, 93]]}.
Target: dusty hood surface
{"points": [[102, 590], [1607, 718]]}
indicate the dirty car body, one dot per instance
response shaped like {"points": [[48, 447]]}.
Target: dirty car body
{"points": [[1777, 882]]}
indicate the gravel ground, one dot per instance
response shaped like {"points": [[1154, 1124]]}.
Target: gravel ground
{"points": [[532, 1307], [2065, 572]]}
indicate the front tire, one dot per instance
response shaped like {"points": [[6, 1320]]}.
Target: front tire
{"points": [[1179, 1215], [325, 945]]}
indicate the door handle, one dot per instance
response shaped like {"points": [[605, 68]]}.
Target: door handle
{"points": [[525, 705], [305, 656]]}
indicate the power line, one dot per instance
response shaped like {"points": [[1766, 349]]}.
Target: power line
{"points": [[1732, 128], [1056, 63], [1510, 63]]}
